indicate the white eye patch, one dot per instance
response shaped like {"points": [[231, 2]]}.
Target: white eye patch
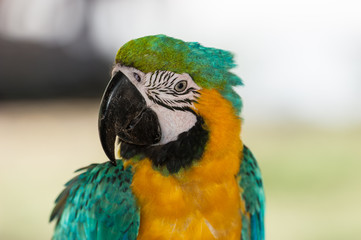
{"points": [[170, 95]]}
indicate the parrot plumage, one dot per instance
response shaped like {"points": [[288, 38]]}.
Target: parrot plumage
{"points": [[178, 169]]}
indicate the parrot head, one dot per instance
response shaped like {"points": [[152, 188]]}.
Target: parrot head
{"points": [[154, 104]]}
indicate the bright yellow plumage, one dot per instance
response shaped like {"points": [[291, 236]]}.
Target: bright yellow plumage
{"points": [[206, 196], [169, 111]]}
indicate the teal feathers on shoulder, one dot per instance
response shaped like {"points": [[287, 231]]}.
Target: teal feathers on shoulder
{"points": [[97, 204], [253, 196]]}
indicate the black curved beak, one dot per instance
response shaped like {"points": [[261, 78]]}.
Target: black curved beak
{"points": [[124, 114]]}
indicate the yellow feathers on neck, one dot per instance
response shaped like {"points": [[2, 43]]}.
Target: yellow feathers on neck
{"points": [[201, 202]]}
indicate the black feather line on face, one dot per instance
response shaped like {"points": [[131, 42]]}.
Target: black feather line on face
{"points": [[181, 153], [166, 78], [188, 101], [158, 80], [158, 101], [175, 93], [171, 83]]}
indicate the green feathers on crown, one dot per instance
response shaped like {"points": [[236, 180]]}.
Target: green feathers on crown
{"points": [[209, 67]]}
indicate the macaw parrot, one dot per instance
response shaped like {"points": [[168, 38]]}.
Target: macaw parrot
{"points": [[169, 123]]}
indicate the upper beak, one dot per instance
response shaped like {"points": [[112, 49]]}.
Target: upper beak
{"points": [[124, 114]]}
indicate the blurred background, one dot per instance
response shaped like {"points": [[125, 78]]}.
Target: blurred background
{"points": [[300, 62]]}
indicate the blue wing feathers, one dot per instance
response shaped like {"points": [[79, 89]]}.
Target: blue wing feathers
{"points": [[97, 204], [253, 196]]}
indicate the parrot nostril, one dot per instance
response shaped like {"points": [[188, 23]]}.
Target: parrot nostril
{"points": [[137, 77]]}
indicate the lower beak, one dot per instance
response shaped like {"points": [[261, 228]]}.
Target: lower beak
{"points": [[124, 114]]}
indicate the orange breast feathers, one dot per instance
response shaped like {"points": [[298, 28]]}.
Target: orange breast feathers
{"points": [[203, 201]]}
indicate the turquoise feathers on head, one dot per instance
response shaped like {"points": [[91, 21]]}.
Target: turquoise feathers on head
{"points": [[170, 112], [208, 67]]}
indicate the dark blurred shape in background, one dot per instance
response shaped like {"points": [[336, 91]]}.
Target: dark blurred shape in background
{"points": [[50, 55]]}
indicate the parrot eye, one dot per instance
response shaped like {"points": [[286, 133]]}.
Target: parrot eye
{"points": [[181, 86], [137, 77]]}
